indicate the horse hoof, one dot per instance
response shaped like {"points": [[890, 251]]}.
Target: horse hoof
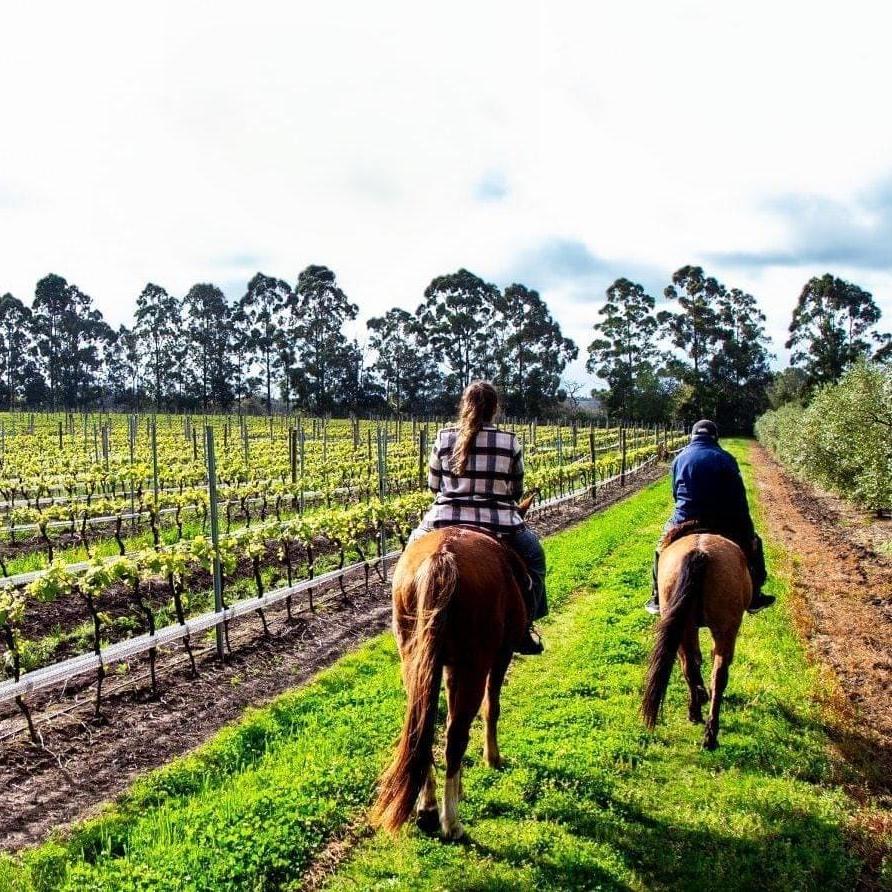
{"points": [[428, 821], [710, 743], [695, 718], [453, 832], [495, 762]]}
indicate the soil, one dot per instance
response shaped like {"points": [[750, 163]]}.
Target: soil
{"points": [[842, 591], [86, 761]]}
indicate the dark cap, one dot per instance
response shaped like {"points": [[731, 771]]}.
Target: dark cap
{"points": [[705, 428]]}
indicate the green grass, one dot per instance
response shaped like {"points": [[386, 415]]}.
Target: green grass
{"points": [[587, 800]]}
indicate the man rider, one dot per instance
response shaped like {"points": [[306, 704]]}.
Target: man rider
{"points": [[708, 489]]}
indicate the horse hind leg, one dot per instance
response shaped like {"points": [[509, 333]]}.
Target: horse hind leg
{"points": [[691, 659], [721, 662], [464, 693], [492, 710], [427, 811]]}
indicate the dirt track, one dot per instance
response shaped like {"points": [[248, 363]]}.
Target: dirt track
{"points": [[842, 590]]}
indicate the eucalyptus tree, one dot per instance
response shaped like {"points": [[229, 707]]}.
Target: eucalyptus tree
{"points": [[402, 362], [625, 354], [789, 386], [69, 333], [91, 339], [740, 371], [16, 346], [124, 367], [159, 331], [261, 317], [695, 329], [531, 351], [319, 309], [244, 379], [457, 319], [51, 304], [830, 325], [351, 389], [208, 337]]}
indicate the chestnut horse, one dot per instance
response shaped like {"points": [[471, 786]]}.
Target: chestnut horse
{"points": [[703, 580], [458, 611]]}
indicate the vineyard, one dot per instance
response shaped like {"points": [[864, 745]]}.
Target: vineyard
{"points": [[125, 536], [587, 798]]}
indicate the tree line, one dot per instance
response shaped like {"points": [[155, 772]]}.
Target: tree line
{"points": [[706, 353], [702, 352], [280, 346]]}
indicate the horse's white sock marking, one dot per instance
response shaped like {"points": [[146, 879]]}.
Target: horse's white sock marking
{"points": [[449, 823]]}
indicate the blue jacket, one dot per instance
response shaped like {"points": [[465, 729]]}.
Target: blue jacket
{"points": [[707, 486]]}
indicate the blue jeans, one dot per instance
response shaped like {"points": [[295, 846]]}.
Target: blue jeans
{"points": [[526, 543]]}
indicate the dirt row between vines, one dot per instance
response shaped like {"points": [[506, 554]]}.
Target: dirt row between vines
{"points": [[843, 604], [86, 762]]}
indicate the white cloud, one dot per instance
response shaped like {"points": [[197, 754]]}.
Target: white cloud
{"points": [[191, 141]]}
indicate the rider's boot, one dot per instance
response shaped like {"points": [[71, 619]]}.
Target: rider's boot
{"points": [[653, 605], [758, 575], [531, 644], [760, 601]]}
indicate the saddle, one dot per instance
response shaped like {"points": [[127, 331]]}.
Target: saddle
{"points": [[697, 527], [517, 564]]}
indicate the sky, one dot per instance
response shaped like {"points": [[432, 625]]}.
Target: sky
{"points": [[558, 144]]}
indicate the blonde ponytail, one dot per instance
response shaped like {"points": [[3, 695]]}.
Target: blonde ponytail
{"points": [[478, 406]]}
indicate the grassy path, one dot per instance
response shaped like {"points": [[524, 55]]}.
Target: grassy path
{"points": [[588, 799]]}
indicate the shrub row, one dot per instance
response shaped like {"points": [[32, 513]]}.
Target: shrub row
{"points": [[843, 439]]}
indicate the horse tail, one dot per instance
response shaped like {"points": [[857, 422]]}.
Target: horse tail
{"points": [[435, 581], [684, 599]]}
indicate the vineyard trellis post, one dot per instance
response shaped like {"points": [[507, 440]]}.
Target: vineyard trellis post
{"points": [[382, 492], [622, 446], [154, 436], [422, 458], [215, 534], [302, 436], [292, 459], [131, 438], [593, 454]]}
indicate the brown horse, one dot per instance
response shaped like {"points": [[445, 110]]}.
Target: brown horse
{"points": [[458, 611], [703, 581]]}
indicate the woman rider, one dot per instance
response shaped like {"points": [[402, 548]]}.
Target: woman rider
{"points": [[476, 471]]}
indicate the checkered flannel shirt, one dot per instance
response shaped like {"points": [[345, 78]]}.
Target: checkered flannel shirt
{"points": [[486, 494]]}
